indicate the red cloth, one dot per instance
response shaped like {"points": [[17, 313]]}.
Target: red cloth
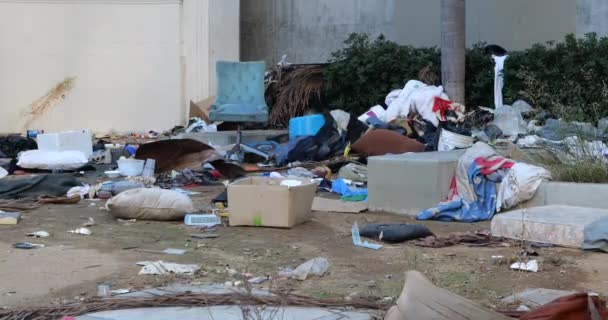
{"points": [[573, 307], [492, 164], [440, 107]]}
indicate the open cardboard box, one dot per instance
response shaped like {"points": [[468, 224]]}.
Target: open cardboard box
{"points": [[264, 202]]}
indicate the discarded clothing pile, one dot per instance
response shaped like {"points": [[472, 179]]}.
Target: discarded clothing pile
{"points": [[327, 142], [473, 195], [10, 146], [419, 111]]}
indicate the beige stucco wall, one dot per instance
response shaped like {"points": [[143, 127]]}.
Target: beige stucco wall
{"points": [[137, 63], [514, 24]]}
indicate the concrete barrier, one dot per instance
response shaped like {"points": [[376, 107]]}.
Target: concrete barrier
{"points": [[407, 183]]}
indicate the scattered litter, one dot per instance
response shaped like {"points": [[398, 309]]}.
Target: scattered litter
{"points": [[160, 267], [205, 220], [498, 260], [9, 217], [357, 239], [89, 223], [120, 291], [104, 290], [82, 231], [81, 191], [258, 280], [530, 266], [174, 251], [39, 234], [205, 235], [3, 173], [316, 266], [523, 308], [27, 245]]}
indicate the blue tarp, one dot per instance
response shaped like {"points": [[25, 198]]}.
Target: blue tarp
{"points": [[340, 187], [463, 211]]}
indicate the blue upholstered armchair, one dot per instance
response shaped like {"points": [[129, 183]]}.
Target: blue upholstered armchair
{"points": [[240, 97]]}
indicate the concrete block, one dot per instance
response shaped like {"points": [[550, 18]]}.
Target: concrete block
{"points": [[570, 194], [407, 183], [559, 225], [223, 138], [536, 297]]}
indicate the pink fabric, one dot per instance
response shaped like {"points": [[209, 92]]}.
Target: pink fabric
{"points": [[492, 164]]}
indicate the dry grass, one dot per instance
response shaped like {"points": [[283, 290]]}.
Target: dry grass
{"points": [[291, 92], [42, 104], [244, 300]]}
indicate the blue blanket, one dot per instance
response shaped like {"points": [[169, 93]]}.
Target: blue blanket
{"points": [[463, 211]]}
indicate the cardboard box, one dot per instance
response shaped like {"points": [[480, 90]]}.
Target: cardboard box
{"points": [[264, 202]]}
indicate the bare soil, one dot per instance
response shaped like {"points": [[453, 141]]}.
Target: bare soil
{"points": [[71, 266]]}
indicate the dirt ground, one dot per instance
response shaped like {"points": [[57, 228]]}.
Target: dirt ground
{"points": [[71, 266]]}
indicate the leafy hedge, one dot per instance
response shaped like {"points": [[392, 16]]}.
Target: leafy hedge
{"points": [[566, 78]]}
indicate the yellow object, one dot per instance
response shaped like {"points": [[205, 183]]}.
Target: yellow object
{"points": [[347, 150]]}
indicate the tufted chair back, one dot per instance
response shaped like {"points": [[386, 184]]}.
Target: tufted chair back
{"points": [[240, 92]]}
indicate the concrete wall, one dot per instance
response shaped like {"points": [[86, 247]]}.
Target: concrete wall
{"points": [[592, 17], [137, 63], [514, 24], [308, 30]]}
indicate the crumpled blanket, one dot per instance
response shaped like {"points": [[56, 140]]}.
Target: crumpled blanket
{"points": [[55, 185], [483, 208]]}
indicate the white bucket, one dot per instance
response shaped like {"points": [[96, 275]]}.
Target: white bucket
{"points": [[449, 141], [130, 167]]}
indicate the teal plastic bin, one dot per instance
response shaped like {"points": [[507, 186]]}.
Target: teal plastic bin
{"points": [[305, 126]]}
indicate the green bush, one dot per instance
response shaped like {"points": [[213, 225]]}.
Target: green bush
{"points": [[567, 78]]}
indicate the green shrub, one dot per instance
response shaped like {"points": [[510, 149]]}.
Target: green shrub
{"points": [[567, 78]]}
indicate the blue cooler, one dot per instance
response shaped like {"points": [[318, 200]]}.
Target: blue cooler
{"points": [[305, 126]]}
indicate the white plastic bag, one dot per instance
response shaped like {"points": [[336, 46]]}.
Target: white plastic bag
{"points": [[509, 121], [316, 266], [3, 173], [52, 160], [416, 97], [520, 185]]}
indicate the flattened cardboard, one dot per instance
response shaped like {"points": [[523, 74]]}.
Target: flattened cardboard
{"points": [[338, 205], [201, 109], [263, 202]]}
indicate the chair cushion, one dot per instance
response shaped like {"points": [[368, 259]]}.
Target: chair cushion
{"points": [[234, 112]]}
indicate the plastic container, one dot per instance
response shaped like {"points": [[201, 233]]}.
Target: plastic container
{"points": [[81, 140], [202, 220], [305, 126], [449, 141], [130, 167]]}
